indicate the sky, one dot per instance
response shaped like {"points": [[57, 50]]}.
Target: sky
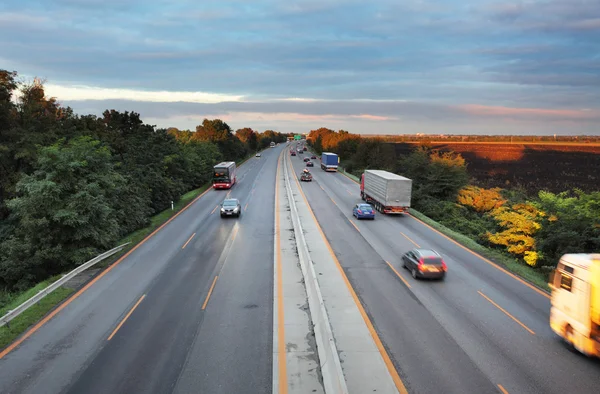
{"points": [[379, 67]]}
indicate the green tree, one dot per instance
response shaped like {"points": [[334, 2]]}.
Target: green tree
{"points": [[572, 224], [65, 212], [374, 154]]}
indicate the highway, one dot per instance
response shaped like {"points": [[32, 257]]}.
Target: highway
{"points": [[481, 330], [190, 310]]}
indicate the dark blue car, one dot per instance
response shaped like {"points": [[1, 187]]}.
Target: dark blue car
{"points": [[363, 211]]}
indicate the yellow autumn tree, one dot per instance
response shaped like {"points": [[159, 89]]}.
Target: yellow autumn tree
{"points": [[520, 223], [481, 199]]}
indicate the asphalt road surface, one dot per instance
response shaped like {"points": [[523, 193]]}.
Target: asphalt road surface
{"points": [[150, 326], [479, 331]]}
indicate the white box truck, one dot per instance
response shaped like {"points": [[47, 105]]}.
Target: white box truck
{"points": [[388, 192], [575, 301]]}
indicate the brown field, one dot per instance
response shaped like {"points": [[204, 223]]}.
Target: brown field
{"points": [[533, 167]]}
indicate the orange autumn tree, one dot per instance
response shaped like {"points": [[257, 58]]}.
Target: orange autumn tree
{"points": [[480, 199], [519, 223]]}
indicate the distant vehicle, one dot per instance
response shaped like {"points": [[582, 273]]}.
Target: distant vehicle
{"points": [[575, 302], [309, 164], [224, 175], [305, 149], [258, 155], [306, 176], [231, 207], [293, 153], [313, 157], [363, 211], [387, 192], [272, 145], [306, 159], [329, 161], [425, 263]]}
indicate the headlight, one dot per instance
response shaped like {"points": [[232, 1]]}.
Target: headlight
{"points": [[236, 209], [222, 209]]}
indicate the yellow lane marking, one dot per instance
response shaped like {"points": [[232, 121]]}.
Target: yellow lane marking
{"points": [[283, 385], [246, 207], [398, 274], [349, 192], [386, 358], [502, 389], [228, 194], [405, 236], [188, 241], [321, 187], [210, 292], [126, 317], [355, 226], [214, 209], [486, 260], [507, 314], [332, 200], [50, 315]]}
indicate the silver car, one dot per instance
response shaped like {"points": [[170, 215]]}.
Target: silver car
{"points": [[231, 207]]}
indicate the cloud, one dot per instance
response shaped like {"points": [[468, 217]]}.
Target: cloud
{"points": [[77, 93], [431, 58]]}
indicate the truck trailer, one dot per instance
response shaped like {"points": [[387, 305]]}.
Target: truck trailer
{"points": [[329, 161], [387, 192], [575, 302]]}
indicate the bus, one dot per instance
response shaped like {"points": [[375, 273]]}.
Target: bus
{"points": [[272, 145], [224, 175]]}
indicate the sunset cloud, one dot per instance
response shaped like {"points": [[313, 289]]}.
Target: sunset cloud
{"points": [[480, 66]]}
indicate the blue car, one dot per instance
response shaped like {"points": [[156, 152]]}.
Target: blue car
{"points": [[363, 211]]}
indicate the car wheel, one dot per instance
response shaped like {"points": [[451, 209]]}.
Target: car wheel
{"points": [[443, 277], [414, 273], [404, 264]]}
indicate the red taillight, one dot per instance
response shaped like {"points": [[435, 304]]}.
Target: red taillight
{"points": [[444, 266], [359, 211], [421, 263]]}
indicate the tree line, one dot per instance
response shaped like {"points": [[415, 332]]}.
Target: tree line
{"points": [[72, 185], [536, 230]]}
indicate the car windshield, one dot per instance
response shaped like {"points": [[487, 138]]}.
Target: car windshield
{"points": [[229, 203], [365, 207]]}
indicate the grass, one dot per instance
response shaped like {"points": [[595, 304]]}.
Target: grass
{"points": [[537, 278], [22, 322]]}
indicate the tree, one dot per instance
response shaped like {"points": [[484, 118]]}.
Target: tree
{"points": [[519, 225], [65, 212], [572, 224], [248, 137], [480, 199], [374, 154], [213, 130]]}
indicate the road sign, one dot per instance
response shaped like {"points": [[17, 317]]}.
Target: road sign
{"points": [[297, 137]]}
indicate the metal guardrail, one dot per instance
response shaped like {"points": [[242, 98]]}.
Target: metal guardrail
{"points": [[5, 320]]}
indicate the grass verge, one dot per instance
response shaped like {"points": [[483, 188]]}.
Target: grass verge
{"points": [[22, 322], [537, 278]]}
